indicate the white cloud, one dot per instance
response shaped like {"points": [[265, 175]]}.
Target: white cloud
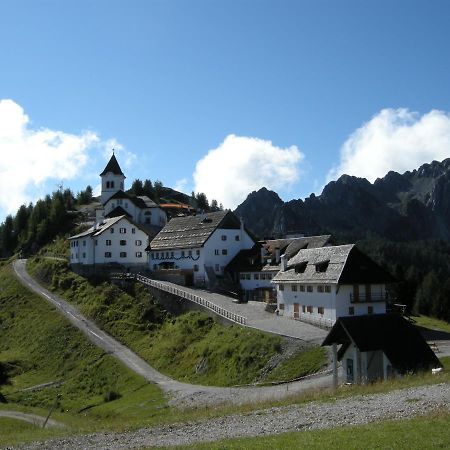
{"points": [[394, 139], [30, 157], [242, 164]]}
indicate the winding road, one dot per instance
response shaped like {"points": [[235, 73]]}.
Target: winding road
{"points": [[181, 394]]}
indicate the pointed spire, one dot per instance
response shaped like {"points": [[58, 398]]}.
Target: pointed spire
{"points": [[112, 166]]}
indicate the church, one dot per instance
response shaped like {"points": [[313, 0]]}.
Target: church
{"points": [[123, 228]]}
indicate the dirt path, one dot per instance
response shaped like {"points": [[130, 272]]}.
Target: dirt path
{"points": [[181, 394], [357, 410], [31, 418]]}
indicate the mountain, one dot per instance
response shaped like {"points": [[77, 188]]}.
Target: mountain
{"points": [[400, 207]]}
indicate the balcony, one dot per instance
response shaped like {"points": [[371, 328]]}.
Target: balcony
{"points": [[373, 297]]}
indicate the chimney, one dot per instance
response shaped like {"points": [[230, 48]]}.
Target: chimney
{"points": [[263, 253], [283, 263], [277, 255]]}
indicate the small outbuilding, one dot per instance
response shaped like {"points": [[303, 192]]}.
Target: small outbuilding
{"points": [[379, 346]]}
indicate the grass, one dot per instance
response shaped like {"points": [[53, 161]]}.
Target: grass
{"points": [[426, 432], [191, 348], [39, 346], [432, 323]]}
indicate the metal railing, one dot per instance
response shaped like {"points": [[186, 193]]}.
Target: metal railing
{"points": [[180, 292]]}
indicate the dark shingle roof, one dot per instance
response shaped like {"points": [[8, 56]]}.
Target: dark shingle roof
{"points": [[247, 260], [193, 231], [141, 202], [396, 337], [291, 246], [116, 212], [113, 167], [345, 264]]}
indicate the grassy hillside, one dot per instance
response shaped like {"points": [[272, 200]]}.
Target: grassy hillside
{"points": [[38, 346], [191, 347]]}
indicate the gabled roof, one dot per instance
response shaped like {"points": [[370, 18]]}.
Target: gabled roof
{"points": [[343, 264], [291, 246], [141, 202], [193, 231], [400, 341], [98, 229], [247, 260], [113, 167], [118, 211]]}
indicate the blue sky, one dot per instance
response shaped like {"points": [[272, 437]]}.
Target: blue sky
{"points": [[220, 96]]}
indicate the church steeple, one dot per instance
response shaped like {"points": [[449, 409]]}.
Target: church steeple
{"points": [[112, 179]]}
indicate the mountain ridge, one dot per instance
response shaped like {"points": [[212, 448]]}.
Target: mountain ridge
{"points": [[401, 207]]}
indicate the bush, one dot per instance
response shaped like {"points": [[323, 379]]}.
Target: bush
{"points": [[111, 396]]}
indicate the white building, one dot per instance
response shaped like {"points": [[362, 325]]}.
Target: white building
{"points": [[378, 346], [117, 240], [197, 248], [320, 285], [254, 269], [116, 202], [123, 227]]}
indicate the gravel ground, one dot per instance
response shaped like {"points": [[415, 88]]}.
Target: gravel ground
{"points": [[352, 411]]}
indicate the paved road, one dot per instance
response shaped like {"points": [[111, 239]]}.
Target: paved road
{"points": [[182, 394], [31, 418]]}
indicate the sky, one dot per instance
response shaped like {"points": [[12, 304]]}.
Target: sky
{"points": [[219, 96]]}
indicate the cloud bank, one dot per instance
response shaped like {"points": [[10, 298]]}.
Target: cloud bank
{"points": [[394, 139], [30, 157], [240, 165]]}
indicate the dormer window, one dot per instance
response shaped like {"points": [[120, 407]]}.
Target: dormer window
{"points": [[300, 268], [322, 266], [206, 220]]}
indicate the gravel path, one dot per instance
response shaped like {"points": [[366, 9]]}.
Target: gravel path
{"points": [[351, 411], [181, 394]]}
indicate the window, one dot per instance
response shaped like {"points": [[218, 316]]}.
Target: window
{"points": [[242, 276], [224, 237], [247, 276], [256, 276], [269, 276], [309, 288], [119, 201], [281, 287], [138, 254], [300, 268], [171, 254], [195, 268], [107, 185], [293, 287], [237, 237], [167, 255], [133, 230], [320, 310], [107, 254], [281, 306], [309, 309], [108, 242], [302, 288], [370, 310], [111, 230], [319, 288], [190, 253], [351, 310], [303, 308], [122, 230], [182, 253], [322, 266], [216, 252], [123, 254], [96, 242], [77, 243], [138, 242], [123, 242], [112, 205], [217, 268], [328, 289], [197, 252], [84, 255], [263, 276], [84, 243], [224, 251]]}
